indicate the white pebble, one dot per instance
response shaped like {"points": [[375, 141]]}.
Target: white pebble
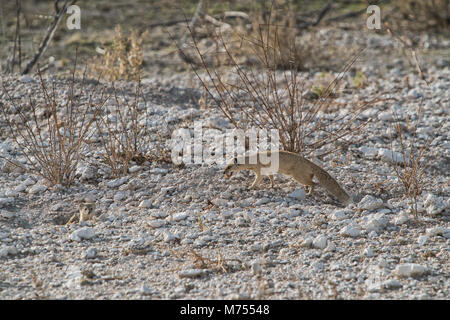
{"points": [[298, 194], [157, 223], [350, 231], [37, 188], [191, 273], [422, 240], [180, 216], [320, 242], [145, 203], [82, 233], [91, 253], [410, 270], [370, 203]]}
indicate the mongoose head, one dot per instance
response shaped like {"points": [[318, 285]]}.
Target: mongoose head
{"points": [[230, 167], [87, 211]]}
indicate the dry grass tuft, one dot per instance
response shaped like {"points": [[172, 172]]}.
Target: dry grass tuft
{"points": [[123, 133], [411, 167], [53, 146], [122, 58]]}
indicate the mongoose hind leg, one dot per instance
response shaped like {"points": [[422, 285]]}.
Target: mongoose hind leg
{"points": [[257, 181], [306, 181]]}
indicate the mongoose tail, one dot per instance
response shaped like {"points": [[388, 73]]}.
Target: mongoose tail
{"points": [[330, 184]]}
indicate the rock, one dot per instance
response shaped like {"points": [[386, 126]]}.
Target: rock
{"points": [[159, 171], [74, 277], [157, 223], [37, 188], [330, 247], [434, 205], [415, 93], [410, 270], [392, 284], [134, 169], [298, 194], [350, 231], [402, 218], [436, 231], [180, 216], [370, 203], [385, 116], [116, 182], [168, 237], [320, 242], [340, 214], [256, 268], [262, 201], [422, 240], [87, 172], [144, 290], [369, 152], [368, 252], [376, 222], [391, 157], [8, 250], [6, 214], [145, 203], [91, 253], [6, 201], [84, 233], [119, 196], [191, 273], [25, 79]]}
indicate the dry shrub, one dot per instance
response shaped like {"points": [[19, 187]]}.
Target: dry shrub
{"points": [[54, 145], [411, 167], [261, 96], [243, 41], [425, 13], [122, 58], [123, 132]]}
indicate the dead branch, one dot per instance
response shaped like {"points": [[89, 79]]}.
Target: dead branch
{"points": [[50, 33]]}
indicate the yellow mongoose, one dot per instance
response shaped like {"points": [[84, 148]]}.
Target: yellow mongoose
{"points": [[290, 164], [86, 212]]}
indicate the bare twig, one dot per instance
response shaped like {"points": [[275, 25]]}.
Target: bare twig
{"points": [[50, 33]]}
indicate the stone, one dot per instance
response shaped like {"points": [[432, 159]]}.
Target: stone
{"points": [[91, 253], [156, 223], [422, 240], [84, 233], [37, 188], [320, 242], [8, 251], [410, 270], [191, 273], [298, 194], [350, 231], [370, 203], [145, 203], [180, 216]]}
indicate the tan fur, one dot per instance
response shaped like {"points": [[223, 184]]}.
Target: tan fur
{"points": [[294, 165], [86, 212]]}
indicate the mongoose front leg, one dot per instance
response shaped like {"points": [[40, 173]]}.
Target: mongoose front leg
{"points": [[271, 180], [71, 219]]}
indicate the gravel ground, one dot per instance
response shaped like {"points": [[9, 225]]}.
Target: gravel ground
{"points": [[165, 232]]}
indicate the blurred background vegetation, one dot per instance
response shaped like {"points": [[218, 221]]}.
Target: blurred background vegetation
{"points": [[133, 38]]}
